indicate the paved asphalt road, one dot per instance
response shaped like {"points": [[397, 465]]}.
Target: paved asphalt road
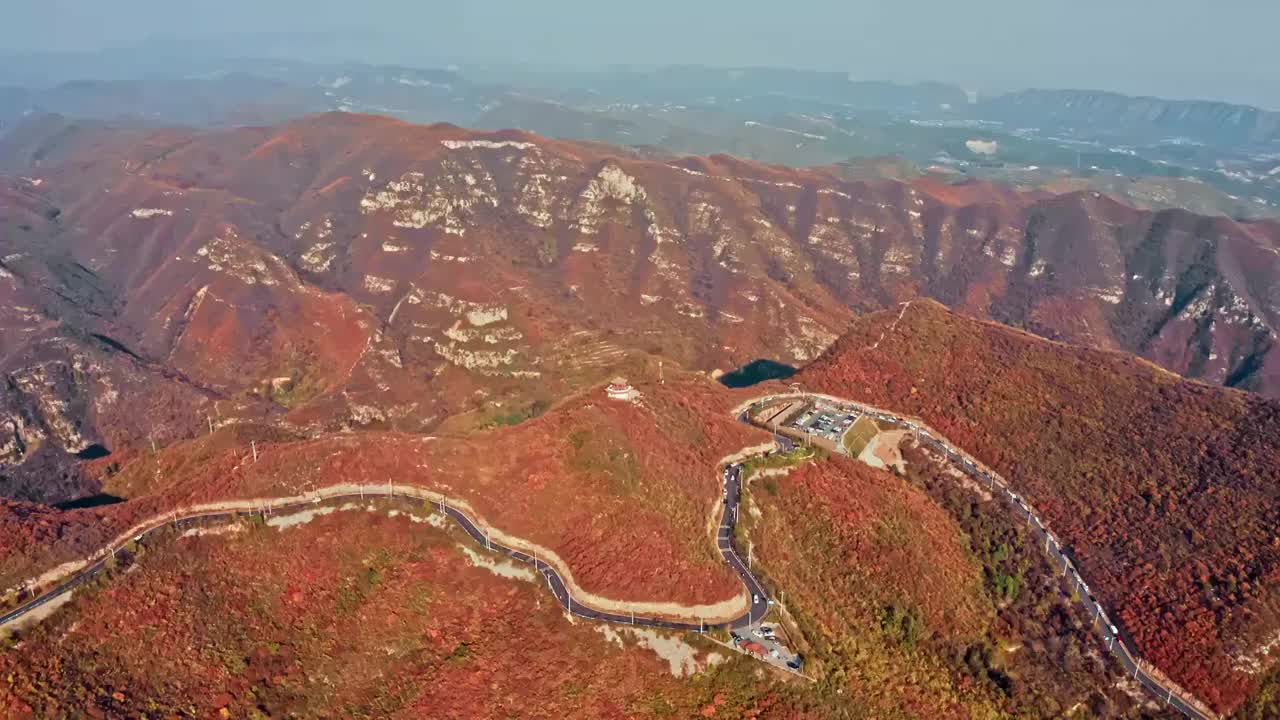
{"points": [[1117, 641], [724, 541], [760, 604]]}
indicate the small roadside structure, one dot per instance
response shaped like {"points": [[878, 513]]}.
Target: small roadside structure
{"points": [[859, 436], [620, 389]]}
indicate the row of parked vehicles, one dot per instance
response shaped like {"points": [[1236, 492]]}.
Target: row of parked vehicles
{"points": [[974, 470], [765, 634]]}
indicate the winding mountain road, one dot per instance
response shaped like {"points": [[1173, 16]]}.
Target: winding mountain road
{"points": [[759, 601], [1118, 643]]}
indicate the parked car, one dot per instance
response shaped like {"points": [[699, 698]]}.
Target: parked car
{"points": [[796, 662]]}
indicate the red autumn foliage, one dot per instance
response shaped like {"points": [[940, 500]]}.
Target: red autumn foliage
{"points": [[624, 493], [355, 615], [1165, 490]]}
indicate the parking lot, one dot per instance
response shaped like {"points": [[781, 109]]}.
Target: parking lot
{"points": [[764, 641], [824, 421]]}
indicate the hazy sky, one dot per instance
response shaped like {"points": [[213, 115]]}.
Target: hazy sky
{"points": [[1177, 48]]}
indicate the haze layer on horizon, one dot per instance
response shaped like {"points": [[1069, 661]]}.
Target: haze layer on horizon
{"points": [[1176, 49]]}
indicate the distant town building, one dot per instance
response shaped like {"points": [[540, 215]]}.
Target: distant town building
{"points": [[620, 389]]}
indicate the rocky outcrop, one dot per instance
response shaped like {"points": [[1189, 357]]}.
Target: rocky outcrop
{"points": [[364, 258]]}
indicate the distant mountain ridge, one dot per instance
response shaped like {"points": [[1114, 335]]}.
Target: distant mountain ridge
{"points": [[1113, 113], [454, 269], [696, 83], [1067, 108]]}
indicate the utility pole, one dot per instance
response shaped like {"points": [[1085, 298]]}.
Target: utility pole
{"points": [[210, 419], [254, 444], [661, 379], [750, 544]]}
